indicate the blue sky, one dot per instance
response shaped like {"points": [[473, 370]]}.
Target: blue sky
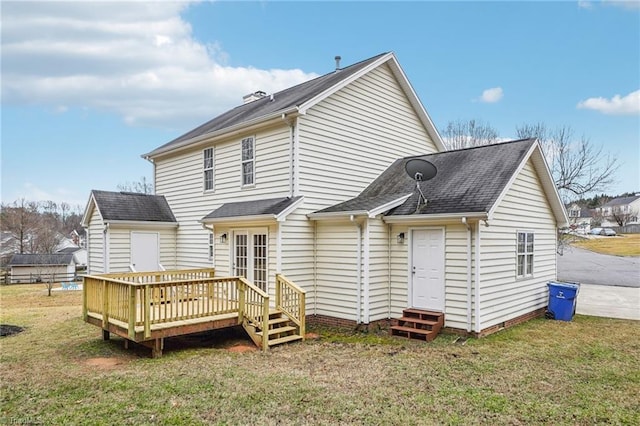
{"points": [[88, 87]]}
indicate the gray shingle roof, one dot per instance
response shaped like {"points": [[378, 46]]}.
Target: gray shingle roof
{"points": [[69, 250], [282, 101], [621, 201], [273, 206], [57, 259], [468, 181], [133, 206]]}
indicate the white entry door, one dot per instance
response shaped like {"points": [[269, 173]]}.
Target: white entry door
{"points": [[250, 256], [144, 251], [427, 269]]}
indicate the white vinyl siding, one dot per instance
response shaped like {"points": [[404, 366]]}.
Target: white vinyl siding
{"points": [[120, 247], [503, 295], [179, 179], [455, 273], [345, 142], [351, 137], [208, 170], [336, 270], [95, 244], [378, 274]]}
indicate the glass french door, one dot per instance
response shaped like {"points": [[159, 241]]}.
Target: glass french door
{"points": [[250, 257]]}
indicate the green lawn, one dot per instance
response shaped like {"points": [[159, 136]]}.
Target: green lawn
{"points": [[59, 371]]}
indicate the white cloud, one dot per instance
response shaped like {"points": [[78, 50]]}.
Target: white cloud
{"points": [[585, 4], [618, 105], [140, 62], [492, 95], [625, 4]]}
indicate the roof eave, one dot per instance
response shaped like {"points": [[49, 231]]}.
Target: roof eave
{"points": [[337, 215], [249, 218], [140, 223], [245, 126], [435, 217]]}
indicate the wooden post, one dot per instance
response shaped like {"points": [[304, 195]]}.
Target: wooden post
{"points": [[302, 312], [241, 301], [147, 311], [132, 312], [105, 304], [265, 324], [278, 292], [85, 314], [105, 334], [156, 349]]}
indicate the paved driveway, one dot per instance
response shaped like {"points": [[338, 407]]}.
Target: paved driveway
{"points": [[610, 285], [587, 267]]}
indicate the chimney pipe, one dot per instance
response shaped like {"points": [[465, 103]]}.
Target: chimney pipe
{"points": [[337, 58]]}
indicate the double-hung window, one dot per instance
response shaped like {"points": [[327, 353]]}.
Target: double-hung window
{"points": [[208, 169], [525, 254], [248, 161]]}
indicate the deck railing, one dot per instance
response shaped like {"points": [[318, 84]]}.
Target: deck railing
{"points": [[144, 299], [290, 299]]}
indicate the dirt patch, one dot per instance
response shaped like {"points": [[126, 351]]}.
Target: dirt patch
{"points": [[312, 336], [105, 363], [242, 348], [10, 330]]}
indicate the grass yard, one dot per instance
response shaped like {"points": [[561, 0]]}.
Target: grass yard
{"points": [[59, 371], [621, 245]]}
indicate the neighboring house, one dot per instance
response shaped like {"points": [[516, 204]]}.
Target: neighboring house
{"points": [[310, 182], [579, 217], [29, 268], [79, 255], [626, 209]]}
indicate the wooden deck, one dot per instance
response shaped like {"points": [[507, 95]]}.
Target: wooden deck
{"points": [[148, 307]]}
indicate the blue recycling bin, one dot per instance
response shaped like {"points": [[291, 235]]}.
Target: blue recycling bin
{"points": [[562, 300]]}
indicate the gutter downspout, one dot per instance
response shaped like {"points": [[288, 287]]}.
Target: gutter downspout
{"points": [[358, 268], [296, 158], [477, 283], [291, 149], [389, 230], [469, 287]]}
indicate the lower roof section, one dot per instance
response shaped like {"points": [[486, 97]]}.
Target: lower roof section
{"points": [[270, 209]]}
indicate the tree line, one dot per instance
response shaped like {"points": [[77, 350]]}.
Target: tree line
{"points": [[37, 227]]}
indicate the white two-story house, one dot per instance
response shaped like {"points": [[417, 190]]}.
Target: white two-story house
{"points": [[311, 182]]}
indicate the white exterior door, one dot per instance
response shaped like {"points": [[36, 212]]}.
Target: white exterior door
{"points": [[250, 256], [145, 251], [427, 269]]}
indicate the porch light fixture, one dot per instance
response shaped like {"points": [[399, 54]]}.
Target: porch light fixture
{"points": [[223, 238], [401, 238]]}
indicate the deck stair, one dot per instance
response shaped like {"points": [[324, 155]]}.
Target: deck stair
{"points": [[281, 330], [418, 324]]}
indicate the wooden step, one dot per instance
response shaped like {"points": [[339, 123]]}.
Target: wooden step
{"points": [[413, 333], [278, 330], [277, 321], [418, 313], [416, 321], [285, 339]]}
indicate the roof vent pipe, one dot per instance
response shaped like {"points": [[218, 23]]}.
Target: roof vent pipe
{"points": [[337, 58]]}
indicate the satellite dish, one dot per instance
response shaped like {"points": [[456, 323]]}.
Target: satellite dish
{"points": [[420, 170]]}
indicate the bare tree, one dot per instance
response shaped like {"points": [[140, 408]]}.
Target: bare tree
{"points": [[20, 220], [577, 166], [464, 134], [622, 217], [143, 186], [47, 241]]}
